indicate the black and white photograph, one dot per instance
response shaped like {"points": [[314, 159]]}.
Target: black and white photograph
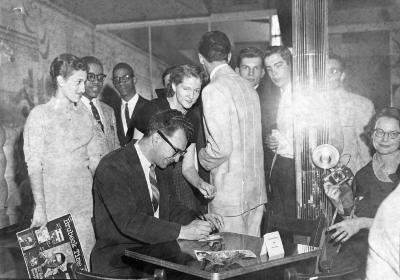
{"points": [[147, 133]]}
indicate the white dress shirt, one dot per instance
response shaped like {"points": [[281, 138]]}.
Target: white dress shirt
{"points": [[96, 103], [131, 106], [285, 124], [144, 162]]}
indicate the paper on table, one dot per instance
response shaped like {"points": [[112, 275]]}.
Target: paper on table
{"points": [[221, 257]]}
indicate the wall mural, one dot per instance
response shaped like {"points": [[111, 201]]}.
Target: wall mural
{"points": [[32, 33]]}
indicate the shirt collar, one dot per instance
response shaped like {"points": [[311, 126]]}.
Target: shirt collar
{"points": [[212, 74], [131, 101], [287, 91], [143, 160], [86, 100]]}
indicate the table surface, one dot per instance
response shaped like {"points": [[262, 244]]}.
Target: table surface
{"points": [[180, 256]]}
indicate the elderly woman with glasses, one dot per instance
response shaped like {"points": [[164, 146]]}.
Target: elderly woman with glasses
{"points": [[372, 184], [183, 92], [62, 146]]}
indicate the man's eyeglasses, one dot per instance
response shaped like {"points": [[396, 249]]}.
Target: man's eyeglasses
{"points": [[91, 77], [124, 79], [381, 133], [178, 152]]}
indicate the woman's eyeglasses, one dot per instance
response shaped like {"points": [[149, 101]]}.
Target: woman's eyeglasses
{"points": [[178, 152], [91, 77], [381, 133]]}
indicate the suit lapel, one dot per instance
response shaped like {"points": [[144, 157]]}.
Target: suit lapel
{"points": [[138, 180], [136, 109], [164, 197], [120, 127], [106, 118]]}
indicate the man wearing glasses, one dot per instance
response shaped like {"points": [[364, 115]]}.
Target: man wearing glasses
{"points": [[132, 207], [354, 112], [103, 114], [124, 81]]}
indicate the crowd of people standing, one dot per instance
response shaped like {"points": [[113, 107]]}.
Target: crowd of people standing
{"points": [[210, 153]]}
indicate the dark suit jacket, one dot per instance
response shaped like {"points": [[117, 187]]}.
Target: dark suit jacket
{"points": [[124, 139], [269, 101], [123, 214]]}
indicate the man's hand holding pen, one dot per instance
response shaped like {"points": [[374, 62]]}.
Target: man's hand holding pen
{"points": [[201, 227], [216, 221]]}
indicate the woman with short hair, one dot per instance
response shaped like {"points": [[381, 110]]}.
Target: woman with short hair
{"points": [[183, 91], [62, 146], [372, 184]]}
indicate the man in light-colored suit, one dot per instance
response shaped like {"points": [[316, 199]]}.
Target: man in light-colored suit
{"points": [[103, 113], [234, 152], [354, 112]]}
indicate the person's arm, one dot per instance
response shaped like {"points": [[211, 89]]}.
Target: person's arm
{"points": [[122, 203], [194, 226], [192, 176], [217, 128], [34, 149]]}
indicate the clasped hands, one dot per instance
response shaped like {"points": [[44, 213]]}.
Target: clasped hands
{"points": [[201, 227]]}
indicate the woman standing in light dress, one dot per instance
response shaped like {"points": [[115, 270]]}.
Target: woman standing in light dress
{"points": [[62, 146]]}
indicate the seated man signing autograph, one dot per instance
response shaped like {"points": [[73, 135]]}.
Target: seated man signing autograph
{"points": [[131, 208]]}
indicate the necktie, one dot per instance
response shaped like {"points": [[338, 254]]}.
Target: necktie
{"points": [[156, 193], [96, 115], [127, 118]]}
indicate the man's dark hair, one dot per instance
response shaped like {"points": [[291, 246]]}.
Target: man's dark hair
{"points": [[338, 59], [215, 46], [283, 51], [165, 73], [92, 60], [168, 122], [123, 65], [249, 52]]}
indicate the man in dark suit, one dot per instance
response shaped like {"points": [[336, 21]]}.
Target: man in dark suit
{"points": [[131, 208], [277, 123], [124, 81]]}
